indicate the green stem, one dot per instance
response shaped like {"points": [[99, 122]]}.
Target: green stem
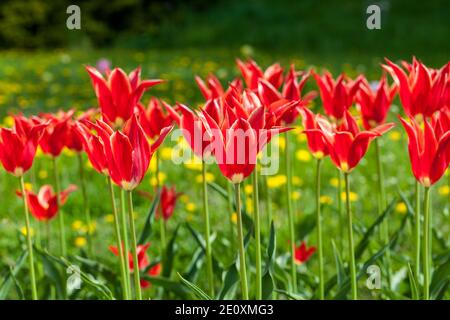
{"points": [[122, 258], [29, 243], [124, 236], [87, 212], [209, 266], [62, 232], [268, 203], [256, 218], [340, 213], [350, 239], [426, 247], [290, 212], [319, 232], [137, 277], [242, 267], [230, 211], [382, 207], [417, 232], [162, 222]]}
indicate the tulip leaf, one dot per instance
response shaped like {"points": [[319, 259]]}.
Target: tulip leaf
{"points": [[290, 295], [199, 293], [53, 274], [413, 284], [19, 289], [9, 274], [271, 246], [306, 225], [169, 285], [170, 254], [230, 279], [103, 291], [341, 275], [364, 242], [267, 285], [195, 264], [147, 229], [440, 280]]}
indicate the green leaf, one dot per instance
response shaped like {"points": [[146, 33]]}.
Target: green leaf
{"points": [[341, 275], [147, 230], [267, 285], [194, 265], [19, 289], [170, 254], [53, 274], [271, 246], [440, 280], [306, 225], [364, 242], [413, 284], [103, 291], [229, 281], [290, 295], [199, 293], [169, 285], [9, 280]]}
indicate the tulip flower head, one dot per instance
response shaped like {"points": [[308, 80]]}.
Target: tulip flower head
{"points": [[18, 145], [303, 253], [44, 204], [143, 262], [153, 118], [167, 202], [337, 95], [429, 151], [129, 153], [347, 144], [119, 93], [56, 133], [313, 125], [374, 104], [252, 73], [422, 90]]}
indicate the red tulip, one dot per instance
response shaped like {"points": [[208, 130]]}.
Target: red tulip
{"points": [[18, 145], [428, 152], [347, 144], [73, 140], [119, 94], [212, 89], [55, 135], [251, 73], [193, 128], [303, 253], [236, 146], [313, 124], [44, 205], [129, 154], [93, 144], [143, 262], [168, 201], [337, 96], [374, 104], [423, 90], [153, 119]]}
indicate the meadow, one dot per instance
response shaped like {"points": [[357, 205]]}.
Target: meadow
{"points": [[46, 81]]}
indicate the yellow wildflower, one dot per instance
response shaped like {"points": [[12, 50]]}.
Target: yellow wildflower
{"points": [[209, 177], [234, 217], [401, 208], [295, 195], [444, 190], [109, 218], [166, 153], [334, 182], [353, 196], [248, 189], [80, 242], [276, 181], [77, 225], [326, 200], [394, 135], [303, 155], [297, 181], [23, 230], [191, 207], [42, 174]]}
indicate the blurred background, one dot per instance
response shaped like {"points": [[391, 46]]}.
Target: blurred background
{"points": [[41, 61]]}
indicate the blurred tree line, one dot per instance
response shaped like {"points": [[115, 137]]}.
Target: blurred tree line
{"points": [[328, 26], [42, 23]]}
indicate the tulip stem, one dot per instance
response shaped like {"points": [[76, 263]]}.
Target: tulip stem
{"points": [[137, 277], [124, 237], [417, 232], [268, 203], [230, 211], [122, 258], [290, 212], [162, 222], [340, 214], [319, 232], [62, 233], [87, 212], [209, 265], [351, 252], [426, 246], [381, 207], [242, 267], [256, 218], [29, 243]]}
